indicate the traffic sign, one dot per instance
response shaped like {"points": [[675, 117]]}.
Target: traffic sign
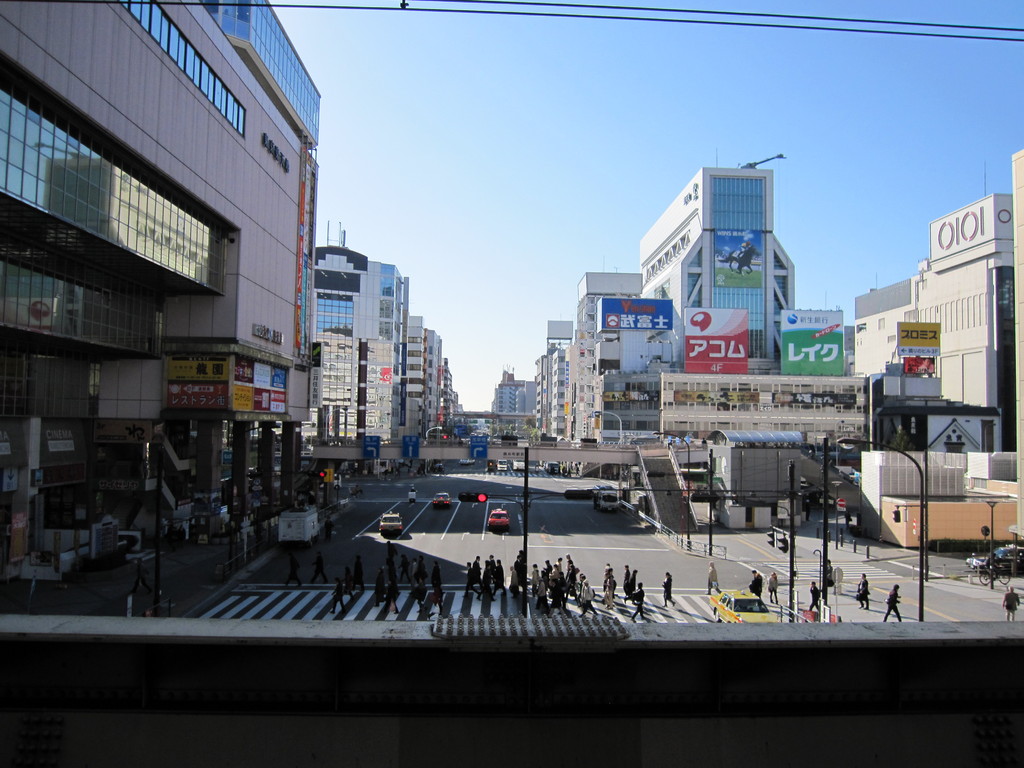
{"points": [[478, 446], [840, 505], [371, 446], [410, 446]]}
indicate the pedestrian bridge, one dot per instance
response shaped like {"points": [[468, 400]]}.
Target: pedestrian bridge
{"points": [[119, 691], [597, 453]]}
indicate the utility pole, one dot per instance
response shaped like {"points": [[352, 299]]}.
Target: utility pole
{"points": [[792, 539]]}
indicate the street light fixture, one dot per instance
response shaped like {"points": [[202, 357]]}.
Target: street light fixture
{"points": [[850, 442], [606, 413]]}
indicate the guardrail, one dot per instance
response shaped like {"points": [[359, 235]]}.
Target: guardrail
{"points": [[687, 545]]}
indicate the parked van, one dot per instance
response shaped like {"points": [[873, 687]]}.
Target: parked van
{"points": [[502, 465]]}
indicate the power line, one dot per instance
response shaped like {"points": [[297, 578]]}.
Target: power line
{"points": [[903, 28]]}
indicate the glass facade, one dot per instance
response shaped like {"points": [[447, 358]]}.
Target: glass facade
{"points": [[53, 165], [181, 51], [256, 22], [738, 204]]}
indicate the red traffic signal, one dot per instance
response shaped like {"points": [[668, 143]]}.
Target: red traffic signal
{"points": [[474, 497], [322, 475]]}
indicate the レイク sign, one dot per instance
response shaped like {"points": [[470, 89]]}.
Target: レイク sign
{"points": [[812, 343]]}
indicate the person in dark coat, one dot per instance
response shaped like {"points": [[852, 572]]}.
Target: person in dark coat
{"points": [[318, 568], [140, 577], [756, 584], [815, 597], [293, 570], [338, 597], [391, 596], [638, 598], [666, 586], [892, 603], [499, 577], [379, 588], [435, 575], [357, 575], [863, 592]]}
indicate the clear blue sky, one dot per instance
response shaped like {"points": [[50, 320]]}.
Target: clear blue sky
{"points": [[496, 159]]}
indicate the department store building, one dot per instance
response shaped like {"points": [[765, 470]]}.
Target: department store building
{"points": [[157, 193]]}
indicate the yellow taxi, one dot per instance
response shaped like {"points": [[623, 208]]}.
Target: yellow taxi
{"points": [[738, 606]]}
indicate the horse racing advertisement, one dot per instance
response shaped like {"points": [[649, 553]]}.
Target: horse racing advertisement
{"points": [[739, 258]]}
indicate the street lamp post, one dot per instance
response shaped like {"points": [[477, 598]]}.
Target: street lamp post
{"points": [[606, 413], [439, 429], [991, 542], [686, 479], [849, 442]]}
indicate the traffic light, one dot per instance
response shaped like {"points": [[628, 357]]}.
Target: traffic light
{"points": [[312, 473], [330, 475], [473, 496], [578, 494], [896, 517], [783, 544], [771, 538], [322, 475]]}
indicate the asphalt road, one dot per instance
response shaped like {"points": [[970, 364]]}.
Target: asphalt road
{"points": [[560, 528]]}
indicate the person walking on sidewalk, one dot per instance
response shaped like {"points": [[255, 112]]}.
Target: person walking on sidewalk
{"points": [[773, 588], [638, 599], [338, 597], [756, 584], [892, 601], [666, 587], [815, 597], [357, 575], [712, 577], [318, 568], [864, 592], [293, 570], [1011, 601], [140, 577]]}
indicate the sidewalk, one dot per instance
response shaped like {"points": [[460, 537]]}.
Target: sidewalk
{"points": [[187, 576]]}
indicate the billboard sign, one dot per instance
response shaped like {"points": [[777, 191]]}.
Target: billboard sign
{"points": [[812, 343], [716, 341], [636, 314], [918, 339], [739, 258]]}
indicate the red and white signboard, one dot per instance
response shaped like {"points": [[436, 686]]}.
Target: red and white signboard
{"points": [[717, 341], [840, 505]]}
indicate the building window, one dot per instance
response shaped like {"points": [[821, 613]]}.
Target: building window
{"points": [[184, 55]]}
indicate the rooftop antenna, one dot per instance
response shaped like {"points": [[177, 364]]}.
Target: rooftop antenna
{"points": [[760, 162]]}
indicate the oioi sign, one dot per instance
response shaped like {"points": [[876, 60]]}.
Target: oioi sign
{"points": [[812, 343]]}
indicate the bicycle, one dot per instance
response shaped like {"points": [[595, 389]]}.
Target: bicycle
{"points": [[987, 576]]}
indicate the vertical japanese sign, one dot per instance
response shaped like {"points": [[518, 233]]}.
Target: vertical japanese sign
{"points": [[717, 341], [812, 343]]}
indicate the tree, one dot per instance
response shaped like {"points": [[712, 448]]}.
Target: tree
{"points": [[901, 441]]}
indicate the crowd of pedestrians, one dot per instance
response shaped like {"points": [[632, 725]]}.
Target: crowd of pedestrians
{"points": [[552, 588]]}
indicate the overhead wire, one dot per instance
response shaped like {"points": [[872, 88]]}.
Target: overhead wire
{"points": [[891, 27]]}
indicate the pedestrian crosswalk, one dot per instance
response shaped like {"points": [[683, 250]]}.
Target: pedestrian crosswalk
{"points": [[314, 603], [810, 570]]}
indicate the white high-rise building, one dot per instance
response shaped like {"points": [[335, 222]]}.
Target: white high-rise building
{"points": [[360, 314]]}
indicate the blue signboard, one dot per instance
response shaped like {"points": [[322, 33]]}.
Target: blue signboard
{"points": [[410, 446], [478, 447], [636, 314], [371, 446]]}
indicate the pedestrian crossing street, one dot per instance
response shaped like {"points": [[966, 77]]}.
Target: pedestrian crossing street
{"points": [[313, 603]]}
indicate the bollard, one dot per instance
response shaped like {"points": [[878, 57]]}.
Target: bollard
{"points": [[867, 552], [855, 546]]}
